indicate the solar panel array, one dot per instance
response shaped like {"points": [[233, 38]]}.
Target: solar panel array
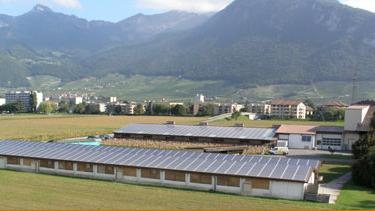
{"points": [[237, 165], [201, 131]]}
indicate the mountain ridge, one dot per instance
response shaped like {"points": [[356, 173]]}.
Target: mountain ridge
{"points": [[248, 43]]}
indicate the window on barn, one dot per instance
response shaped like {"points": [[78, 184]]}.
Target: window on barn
{"points": [[129, 171], [306, 138], [85, 167], [228, 181], [260, 184], [47, 164], [175, 176], [27, 162], [150, 173], [66, 165], [200, 178], [104, 169], [13, 160]]}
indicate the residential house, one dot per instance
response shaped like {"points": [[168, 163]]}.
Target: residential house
{"points": [[288, 109]]}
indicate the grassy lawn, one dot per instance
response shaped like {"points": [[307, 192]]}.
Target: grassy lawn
{"points": [[44, 127], [333, 171], [337, 157], [35, 191], [356, 197], [270, 123]]}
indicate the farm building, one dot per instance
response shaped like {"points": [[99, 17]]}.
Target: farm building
{"points": [[311, 137], [277, 177], [209, 134]]}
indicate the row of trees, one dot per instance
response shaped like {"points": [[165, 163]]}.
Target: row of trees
{"points": [[364, 152], [16, 107]]}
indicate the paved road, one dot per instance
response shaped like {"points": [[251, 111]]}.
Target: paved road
{"points": [[318, 155], [334, 187]]}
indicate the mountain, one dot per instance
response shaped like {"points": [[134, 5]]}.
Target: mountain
{"points": [[249, 43], [55, 43], [255, 42]]}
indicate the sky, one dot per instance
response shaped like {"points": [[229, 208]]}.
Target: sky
{"points": [[116, 10]]}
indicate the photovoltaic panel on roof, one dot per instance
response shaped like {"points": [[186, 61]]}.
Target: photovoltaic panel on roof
{"points": [[235, 165], [266, 134]]}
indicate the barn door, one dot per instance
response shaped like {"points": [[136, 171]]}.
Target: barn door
{"points": [[247, 187]]}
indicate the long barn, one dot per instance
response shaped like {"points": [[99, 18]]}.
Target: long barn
{"points": [[208, 134], [277, 177]]}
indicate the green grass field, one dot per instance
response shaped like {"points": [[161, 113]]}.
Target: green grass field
{"points": [[270, 123], [36, 191], [33, 191], [333, 171], [55, 127]]}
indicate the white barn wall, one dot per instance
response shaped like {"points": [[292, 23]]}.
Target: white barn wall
{"points": [[295, 142]]}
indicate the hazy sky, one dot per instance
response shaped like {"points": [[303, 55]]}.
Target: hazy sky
{"points": [[115, 10]]}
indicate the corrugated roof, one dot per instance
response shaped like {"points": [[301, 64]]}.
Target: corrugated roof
{"points": [[201, 131], [279, 168], [297, 129]]}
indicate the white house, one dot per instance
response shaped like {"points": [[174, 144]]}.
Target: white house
{"points": [[2, 101]]}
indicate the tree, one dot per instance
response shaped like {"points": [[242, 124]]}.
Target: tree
{"points": [[64, 107], [364, 151], [33, 101], [364, 169], [80, 108], [161, 109], [362, 147], [179, 110], [139, 109], [16, 107], [47, 107], [236, 115], [207, 110], [91, 109]]}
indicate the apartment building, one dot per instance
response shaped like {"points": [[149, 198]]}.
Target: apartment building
{"points": [[259, 108], [288, 109], [26, 98]]}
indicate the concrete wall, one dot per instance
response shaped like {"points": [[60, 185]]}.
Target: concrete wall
{"points": [[354, 116], [295, 142], [277, 189]]}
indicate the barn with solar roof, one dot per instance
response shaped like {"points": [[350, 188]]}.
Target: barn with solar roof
{"points": [[276, 177], [202, 134]]}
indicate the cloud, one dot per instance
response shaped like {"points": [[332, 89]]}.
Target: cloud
{"points": [[74, 4], [362, 4], [186, 5], [71, 4]]}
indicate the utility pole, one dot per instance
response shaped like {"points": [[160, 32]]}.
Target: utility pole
{"points": [[355, 86]]}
